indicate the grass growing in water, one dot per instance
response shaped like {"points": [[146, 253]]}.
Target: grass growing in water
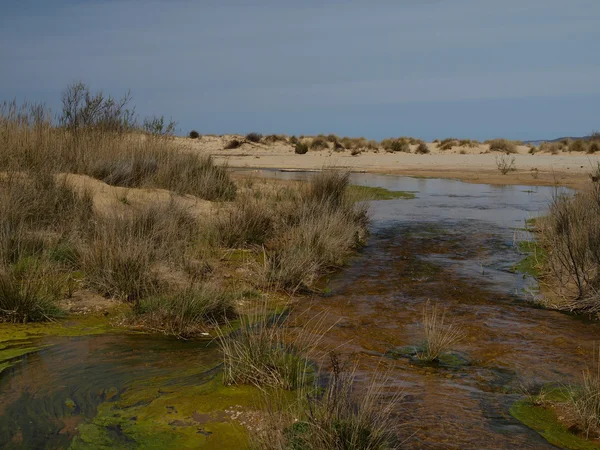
{"points": [[334, 417], [439, 338]]}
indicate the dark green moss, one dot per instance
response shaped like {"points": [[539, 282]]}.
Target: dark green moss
{"points": [[378, 193], [543, 420]]}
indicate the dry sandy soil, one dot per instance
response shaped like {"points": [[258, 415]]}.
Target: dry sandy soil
{"points": [[476, 165]]}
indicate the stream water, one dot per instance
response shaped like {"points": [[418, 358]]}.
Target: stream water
{"points": [[454, 245]]}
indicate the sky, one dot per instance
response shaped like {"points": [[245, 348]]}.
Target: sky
{"points": [[520, 69]]}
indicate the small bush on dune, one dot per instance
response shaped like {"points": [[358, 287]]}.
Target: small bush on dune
{"points": [[273, 138], [439, 338], [593, 147], [293, 140], [301, 148], [338, 147], [400, 145], [373, 145], [187, 313], [254, 137], [468, 143], [233, 144], [319, 144], [194, 134], [422, 149], [552, 147], [448, 144], [578, 145], [332, 138], [502, 145]]}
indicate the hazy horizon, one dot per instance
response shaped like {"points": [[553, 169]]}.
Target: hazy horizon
{"points": [[521, 70]]}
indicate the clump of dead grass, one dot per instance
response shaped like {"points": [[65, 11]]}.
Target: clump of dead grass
{"points": [[440, 337]]}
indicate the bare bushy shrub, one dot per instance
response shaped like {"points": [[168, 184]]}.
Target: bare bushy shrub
{"points": [[505, 164], [578, 145], [571, 233]]}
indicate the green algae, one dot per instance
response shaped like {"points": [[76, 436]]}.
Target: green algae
{"points": [[378, 193], [159, 416], [532, 413], [448, 360], [534, 260]]}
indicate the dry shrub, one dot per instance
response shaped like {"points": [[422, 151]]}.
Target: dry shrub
{"points": [[319, 143], [187, 313], [332, 138], [578, 145], [396, 145], [505, 164], [233, 144], [552, 147], [422, 149], [502, 145], [439, 337], [301, 148], [448, 144], [468, 143], [593, 147], [194, 134], [355, 152], [571, 234], [254, 137]]}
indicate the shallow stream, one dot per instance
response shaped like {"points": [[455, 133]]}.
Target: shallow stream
{"points": [[454, 245]]}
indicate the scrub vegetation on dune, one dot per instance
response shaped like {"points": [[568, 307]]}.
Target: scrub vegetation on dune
{"points": [[97, 203], [57, 236]]}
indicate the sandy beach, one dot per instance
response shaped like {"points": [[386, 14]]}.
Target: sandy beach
{"points": [[472, 164]]}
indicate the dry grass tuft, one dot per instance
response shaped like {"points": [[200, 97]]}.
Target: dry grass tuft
{"points": [[439, 338]]}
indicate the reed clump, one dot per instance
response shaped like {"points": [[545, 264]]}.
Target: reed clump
{"points": [[440, 337]]}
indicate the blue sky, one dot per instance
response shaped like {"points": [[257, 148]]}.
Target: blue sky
{"points": [[522, 69]]}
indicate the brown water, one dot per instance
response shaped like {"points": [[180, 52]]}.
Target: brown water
{"points": [[453, 244]]}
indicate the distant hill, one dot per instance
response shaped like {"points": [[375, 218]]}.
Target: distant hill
{"points": [[572, 138]]}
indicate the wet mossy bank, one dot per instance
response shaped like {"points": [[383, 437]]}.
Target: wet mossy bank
{"points": [[542, 413]]}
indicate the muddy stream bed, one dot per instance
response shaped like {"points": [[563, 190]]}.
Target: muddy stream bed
{"points": [[453, 244]]}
